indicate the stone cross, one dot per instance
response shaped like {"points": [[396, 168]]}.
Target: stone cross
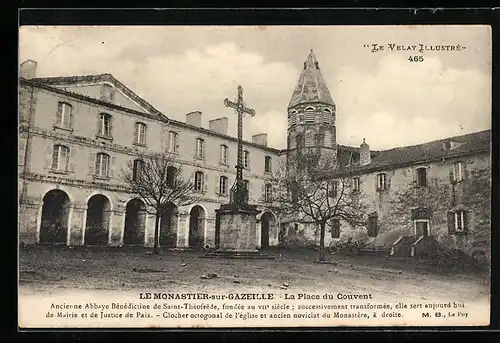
{"points": [[239, 193]]}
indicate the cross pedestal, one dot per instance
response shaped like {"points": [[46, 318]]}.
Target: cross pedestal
{"points": [[238, 229]]}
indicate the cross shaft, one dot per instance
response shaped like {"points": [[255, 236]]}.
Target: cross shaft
{"points": [[239, 192]]}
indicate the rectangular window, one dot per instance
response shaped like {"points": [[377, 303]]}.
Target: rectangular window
{"points": [[246, 184], [422, 177], [372, 225], [335, 187], [246, 159], [64, 113], [172, 141], [460, 221], [171, 176], [105, 125], [140, 133], [102, 165], [381, 182], [267, 164], [223, 154], [335, 229], [356, 184], [138, 167], [198, 181], [458, 171], [268, 192], [223, 185], [200, 148], [60, 158]]}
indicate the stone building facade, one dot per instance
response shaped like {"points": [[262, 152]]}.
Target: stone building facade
{"points": [[75, 136]]}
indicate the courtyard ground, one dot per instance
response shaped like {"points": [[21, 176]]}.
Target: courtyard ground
{"points": [[52, 270]]}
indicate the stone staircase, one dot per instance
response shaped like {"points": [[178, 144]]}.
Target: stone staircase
{"points": [[404, 246]]}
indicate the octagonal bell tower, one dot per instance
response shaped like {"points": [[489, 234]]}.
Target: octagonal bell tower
{"points": [[311, 111]]}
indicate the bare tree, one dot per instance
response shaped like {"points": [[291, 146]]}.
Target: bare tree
{"points": [[158, 180], [311, 186]]}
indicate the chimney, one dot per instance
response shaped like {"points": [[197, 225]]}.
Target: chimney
{"points": [[27, 69], [364, 154], [194, 118], [260, 139], [218, 125]]}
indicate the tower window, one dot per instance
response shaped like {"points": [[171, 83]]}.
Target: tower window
{"points": [[327, 139], [309, 139]]}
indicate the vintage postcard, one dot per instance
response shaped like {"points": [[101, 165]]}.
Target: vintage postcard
{"points": [[243, 176]]}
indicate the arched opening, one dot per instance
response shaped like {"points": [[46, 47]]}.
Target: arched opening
{"points": [[268, 226], [97, 223], [55, 217], [196, 227], [135, 222], [168, 226]]}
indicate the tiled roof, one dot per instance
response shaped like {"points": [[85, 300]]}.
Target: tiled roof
{"points": [[69, 80], [386, 159], [311, 87]]}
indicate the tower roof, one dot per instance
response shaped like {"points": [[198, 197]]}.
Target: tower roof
{"points": [[311, 86]]}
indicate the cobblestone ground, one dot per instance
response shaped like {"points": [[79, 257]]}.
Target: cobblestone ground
{"points": [[50, 270]]}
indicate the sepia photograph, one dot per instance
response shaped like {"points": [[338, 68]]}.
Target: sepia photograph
{"points": [[254, 176]]}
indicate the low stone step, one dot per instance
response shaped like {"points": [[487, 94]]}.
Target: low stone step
{"points": [[239, 255]]}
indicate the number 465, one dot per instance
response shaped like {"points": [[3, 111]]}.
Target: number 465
{"points": [[416, 58]]}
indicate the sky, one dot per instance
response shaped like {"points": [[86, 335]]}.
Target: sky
{"points": [[380, 96]]}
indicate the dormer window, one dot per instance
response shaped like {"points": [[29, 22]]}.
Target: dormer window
{"points": [[449, 145], [309, 109]]}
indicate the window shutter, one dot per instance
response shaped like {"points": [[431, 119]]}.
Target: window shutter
{"points": [[217, 184], [111, 166], [98, 124], [72, 159], [136, 132], [451, 174], [193, 179], [205, 182], [466, 222], [165, 139], [92, 158], [451, 223], [145, 138], [49, 150], [71, 117], [111, 119], [264, 191], [59, 113], [387, 182], [465, 171]]}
